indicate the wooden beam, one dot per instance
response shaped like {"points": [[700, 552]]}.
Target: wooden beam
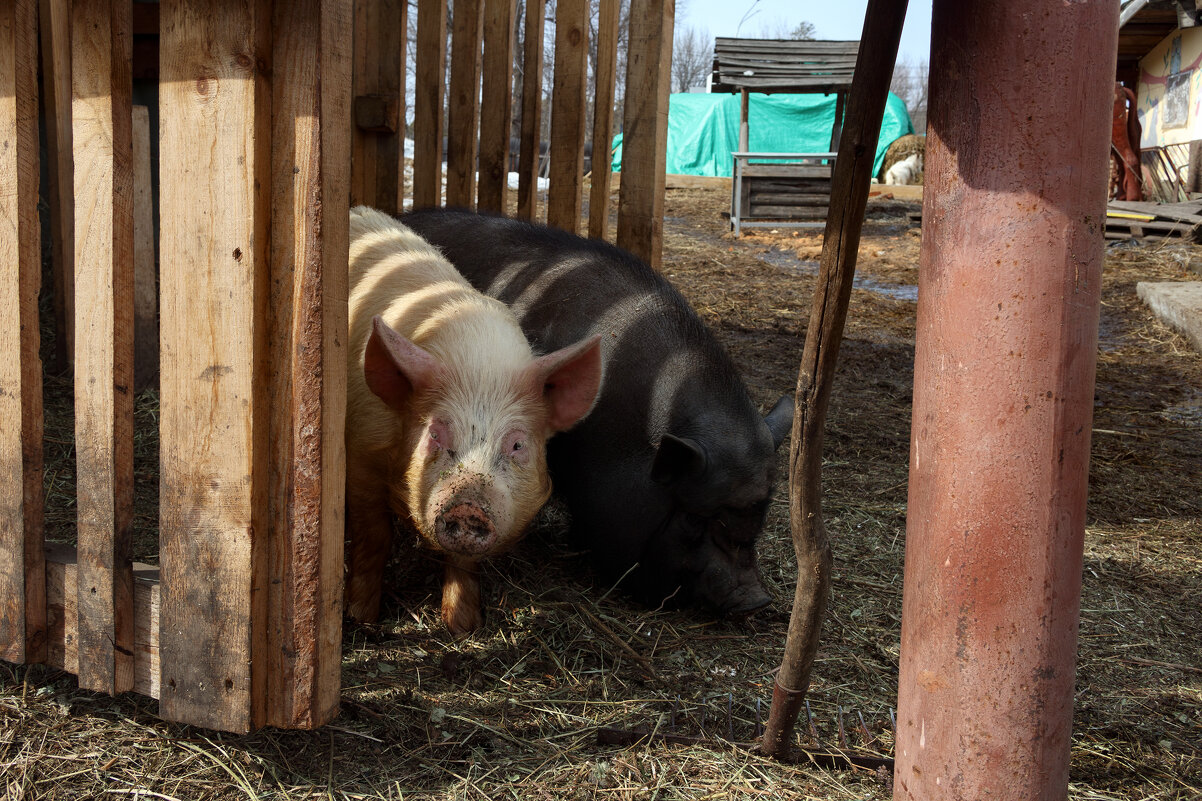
{"points": [[102, 137], [55, 27], [568, 108], [427, 104], [22, 575], [146, 287], [309, 227], [378, 151], [215, 184], [62, 612], [532, 109], [603, 118], [645, 129], [496, 103], [463, 102]]}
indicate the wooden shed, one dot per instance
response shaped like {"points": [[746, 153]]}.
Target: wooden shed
{"points": [[782, 188], [273, 118]]}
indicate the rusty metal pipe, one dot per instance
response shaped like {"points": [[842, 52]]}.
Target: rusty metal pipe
{"points": [[1016, 174]]}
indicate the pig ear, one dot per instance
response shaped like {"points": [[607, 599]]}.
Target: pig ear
{"points": [[569, 380], [394, 367], [676, 458], [780, 420]]}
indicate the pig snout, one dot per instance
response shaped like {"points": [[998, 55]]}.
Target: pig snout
{"points": [[464, 528], [747, 598]]}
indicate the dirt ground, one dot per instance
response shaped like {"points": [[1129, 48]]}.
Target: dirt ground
{"points": [[513, 711]]}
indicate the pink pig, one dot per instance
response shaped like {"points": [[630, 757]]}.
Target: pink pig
{"points": [[448, 414]]}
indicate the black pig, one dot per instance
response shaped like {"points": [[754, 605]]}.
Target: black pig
{"points": [[668, 480]]}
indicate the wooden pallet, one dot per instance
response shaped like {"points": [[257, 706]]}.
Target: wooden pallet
{"points": [[1154, 221]]}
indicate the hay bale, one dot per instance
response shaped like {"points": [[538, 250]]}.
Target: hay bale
{"points": [[903, 147]]}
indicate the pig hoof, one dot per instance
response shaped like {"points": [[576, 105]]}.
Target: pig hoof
{"points": [[465, 529], [462, 620]]}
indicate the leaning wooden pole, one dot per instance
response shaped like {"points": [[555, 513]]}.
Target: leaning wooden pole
{"points": [[849, 195]]}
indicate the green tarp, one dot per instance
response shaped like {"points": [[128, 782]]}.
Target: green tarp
{"points": [[703, 129]]}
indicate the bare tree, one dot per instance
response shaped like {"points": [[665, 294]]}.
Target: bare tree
{"points": [[692, 59], [779, 29], [910, 77]]}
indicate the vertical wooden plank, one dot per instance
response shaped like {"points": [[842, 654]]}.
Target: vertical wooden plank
{"points": [[496, 103], [22, 572], [568, 107], [645, 129], [603, 118], [378, 144], [463, 102], [102, 122], [55, 27], [427, 103], [532, 109], [310, 218], [215, 195], [146, 290]]}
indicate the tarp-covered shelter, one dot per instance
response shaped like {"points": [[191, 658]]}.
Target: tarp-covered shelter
{"points": [[703, 129]]}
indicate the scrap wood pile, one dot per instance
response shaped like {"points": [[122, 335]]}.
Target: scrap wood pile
{"points": [[1153, 221]]}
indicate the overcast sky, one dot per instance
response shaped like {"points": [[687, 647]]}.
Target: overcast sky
{"points": [[833, 19]]}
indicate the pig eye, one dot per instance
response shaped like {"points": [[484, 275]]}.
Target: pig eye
{"points": [[517, 446]]}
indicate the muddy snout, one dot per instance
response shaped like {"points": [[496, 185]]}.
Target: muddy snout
{"points": [[464, 528]]}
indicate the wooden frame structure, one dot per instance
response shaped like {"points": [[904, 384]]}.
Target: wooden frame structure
{"points": [[239, 626], [791, 189]]}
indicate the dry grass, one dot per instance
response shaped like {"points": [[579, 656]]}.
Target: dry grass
{"points": [[512, 711]]}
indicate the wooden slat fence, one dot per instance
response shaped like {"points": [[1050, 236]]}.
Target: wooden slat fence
{"points": [[239, 625]]}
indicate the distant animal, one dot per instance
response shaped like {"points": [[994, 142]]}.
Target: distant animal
{"points": [[669, 478], [901, 148], [448, 413], [905, 172]]}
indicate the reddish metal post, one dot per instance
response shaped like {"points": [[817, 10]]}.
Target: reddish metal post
{"points": [[1016, 165]]}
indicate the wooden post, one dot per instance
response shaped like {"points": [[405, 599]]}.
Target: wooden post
{"points": [[1006, 341], [463, 102], [532, 110], [496, 104], [307, 355], [603, 118], [22, 570], [378, 140], [645, 129], [146, 288], [849, 196], [568, 108], [102, 136], [215, 184], [55, 26], [427, 104]]}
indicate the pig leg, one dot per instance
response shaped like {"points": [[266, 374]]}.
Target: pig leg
{"points": [[369, 527], [461, 597]]}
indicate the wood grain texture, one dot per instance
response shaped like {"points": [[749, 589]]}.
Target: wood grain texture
{"points": [[378, 156], [102, 139], [603, 118], [62, 596], [215, 185], [146, 287], [55, 28], [22, 575], [310, 181], [568, 109], [463, 102], [428, 114], [496, 103], [645, 130], [532, 109]]}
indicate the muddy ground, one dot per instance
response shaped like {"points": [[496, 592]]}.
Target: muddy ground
{"points": [[512, 711]]}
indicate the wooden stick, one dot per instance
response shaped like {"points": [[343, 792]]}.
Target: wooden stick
{"points": [[849, 197], [532, 109], [603, 119]]}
